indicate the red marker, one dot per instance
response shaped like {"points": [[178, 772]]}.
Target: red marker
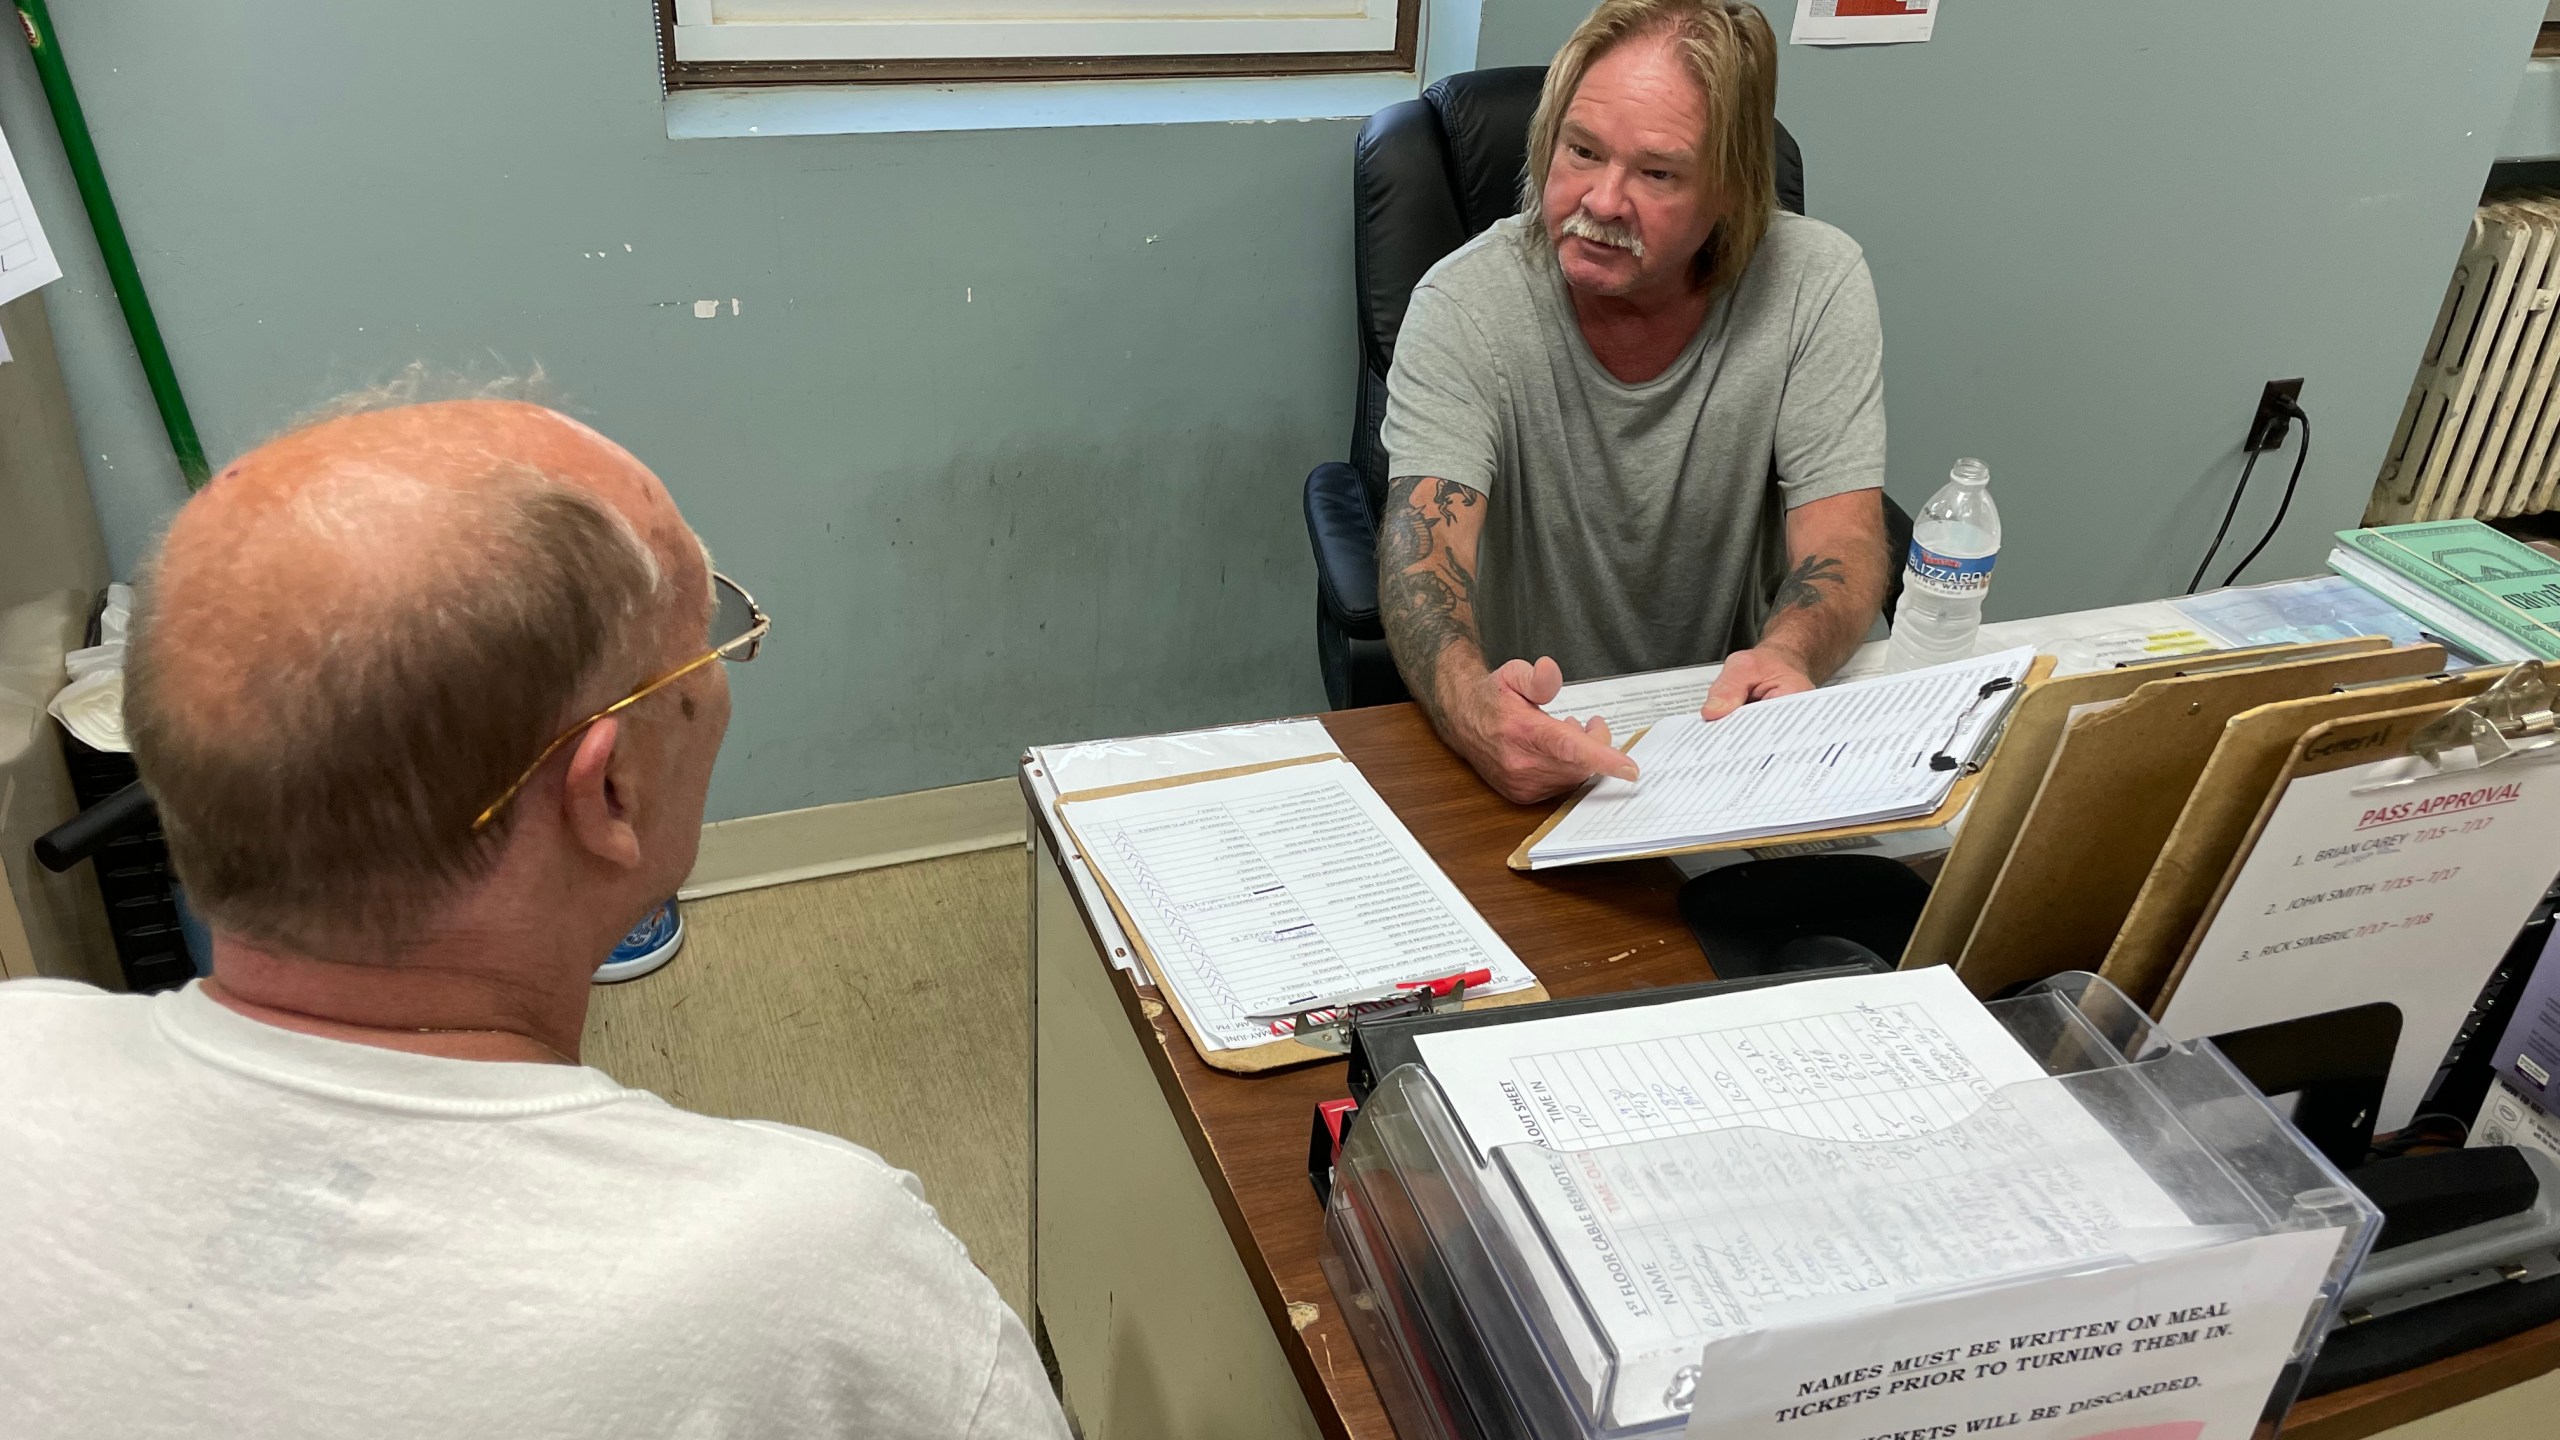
{"points": [[1442, 987]]}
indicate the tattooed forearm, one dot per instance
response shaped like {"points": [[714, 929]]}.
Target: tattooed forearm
{"points": [[1426, 586], [1827, 603], [1802, 589]]}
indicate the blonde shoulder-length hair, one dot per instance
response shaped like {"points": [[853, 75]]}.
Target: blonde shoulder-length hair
{"points": [[1729, 47]]}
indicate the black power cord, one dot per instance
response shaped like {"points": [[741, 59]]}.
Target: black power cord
{"points": [[2286, 503], [2283, 505], [2228, 511]]}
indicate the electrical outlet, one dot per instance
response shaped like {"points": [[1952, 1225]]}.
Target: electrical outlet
{"points": [[2268, 429]]}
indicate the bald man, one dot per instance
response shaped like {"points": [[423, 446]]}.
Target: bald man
{"points": [[428, 698]]}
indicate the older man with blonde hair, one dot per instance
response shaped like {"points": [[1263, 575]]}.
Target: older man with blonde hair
{"points": [[428, 697], [1639, 424]]}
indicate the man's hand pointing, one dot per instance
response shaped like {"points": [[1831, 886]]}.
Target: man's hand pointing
{"points": [[1524, 753]]}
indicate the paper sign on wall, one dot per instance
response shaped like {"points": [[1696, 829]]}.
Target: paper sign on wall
{"points": [[1863, 22], [26, 257]]}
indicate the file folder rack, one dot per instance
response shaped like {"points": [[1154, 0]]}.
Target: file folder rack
{"points": [[1474, 1330]]}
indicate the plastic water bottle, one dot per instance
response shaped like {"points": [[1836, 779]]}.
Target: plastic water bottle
{"points": [[1954, 542]]}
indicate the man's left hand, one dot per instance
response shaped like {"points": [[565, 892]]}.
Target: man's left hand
{"points": [[1760, 673]]}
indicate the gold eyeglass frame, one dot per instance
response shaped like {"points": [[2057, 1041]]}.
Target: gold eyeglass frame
{"points": [[737, 651]]}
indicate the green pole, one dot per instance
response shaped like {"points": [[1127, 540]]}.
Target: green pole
{"points": [[101, 205]]}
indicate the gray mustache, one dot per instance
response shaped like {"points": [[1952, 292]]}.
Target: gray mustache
{"points": [[1581, 224]]}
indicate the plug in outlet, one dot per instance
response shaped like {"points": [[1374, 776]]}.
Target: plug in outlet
{"points": [[2272, 423]]}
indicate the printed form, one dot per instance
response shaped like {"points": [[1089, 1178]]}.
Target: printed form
{"points": [[1055, 770], [2381, 882], [1710, 1167], [1274, 889], [2079, 641], [1846, 755]]}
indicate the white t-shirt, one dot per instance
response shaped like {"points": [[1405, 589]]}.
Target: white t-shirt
{"points": [[211, 1226]]}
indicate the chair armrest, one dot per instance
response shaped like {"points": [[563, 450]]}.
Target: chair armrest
{"points": [[1345, 537], [1897, 545]]}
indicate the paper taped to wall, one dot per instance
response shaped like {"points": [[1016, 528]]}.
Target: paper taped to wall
{"points": [[26, 257], [1864, 22]]}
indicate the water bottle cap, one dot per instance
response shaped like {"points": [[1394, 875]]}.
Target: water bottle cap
{"points": [[1970, 472]]}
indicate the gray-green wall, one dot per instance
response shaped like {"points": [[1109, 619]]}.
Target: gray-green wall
{"points": [[1007, 428]]}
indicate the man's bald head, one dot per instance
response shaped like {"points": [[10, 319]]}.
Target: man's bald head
{"points": [[360, 632]]}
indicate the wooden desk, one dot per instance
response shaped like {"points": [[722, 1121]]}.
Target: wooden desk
{"points": [[1175, 1237]]}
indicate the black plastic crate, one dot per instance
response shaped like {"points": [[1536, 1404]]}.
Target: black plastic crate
{"points": [[133, 878], [133, 870]]}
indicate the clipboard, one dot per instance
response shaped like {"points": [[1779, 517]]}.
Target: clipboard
{"points": [[1959, 795], [2471, 734], [2009, 780], [2254, 750], [2016, 768], [2109, 799], [1279, 1052]]}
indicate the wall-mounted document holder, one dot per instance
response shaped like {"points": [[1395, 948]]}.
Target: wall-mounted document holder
{"points": [[1753, 1281]]}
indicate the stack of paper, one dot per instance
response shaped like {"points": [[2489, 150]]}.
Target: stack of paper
{"points": [[2486, 592], [1055, 770], [2079, 640], [1853, 754], [1275, 889], [1709, 1167]]}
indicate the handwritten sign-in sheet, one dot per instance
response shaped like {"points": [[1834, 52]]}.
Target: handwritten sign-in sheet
{"points": [[1707, 1168]]}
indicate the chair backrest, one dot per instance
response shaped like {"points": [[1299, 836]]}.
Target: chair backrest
{"points": [[1427, 176]]}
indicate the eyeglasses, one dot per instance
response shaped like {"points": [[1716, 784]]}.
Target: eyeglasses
{"points": [[738, 627]]}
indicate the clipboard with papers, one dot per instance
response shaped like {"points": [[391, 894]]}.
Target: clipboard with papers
{"points": [[1268, 887], [2391, 860], [2214, 828], [2105, 778], [1049, 771], [1877, 756], [2013, 775], [2253, 844]]}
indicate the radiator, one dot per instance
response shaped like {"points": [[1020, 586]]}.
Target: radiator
{"points": [[2477, 437]]}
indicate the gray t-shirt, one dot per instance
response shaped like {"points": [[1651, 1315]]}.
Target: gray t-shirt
{"points": [[1630, 527]]}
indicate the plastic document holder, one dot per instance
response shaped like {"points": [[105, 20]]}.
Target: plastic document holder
{"points": [[1476, 1327]]}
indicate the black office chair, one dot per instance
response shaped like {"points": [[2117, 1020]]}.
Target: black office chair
{"points": [[1426, 175]]}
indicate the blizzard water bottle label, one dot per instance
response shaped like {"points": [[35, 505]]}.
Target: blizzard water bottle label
{"points": [[1949, 574]]}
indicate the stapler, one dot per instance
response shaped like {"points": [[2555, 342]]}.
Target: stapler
{"points": [[2470, 1244]]}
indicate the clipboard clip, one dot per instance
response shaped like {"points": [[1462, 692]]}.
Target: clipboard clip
{"points": [[1946, 758], [2513, 717], [1326, 1024]]}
